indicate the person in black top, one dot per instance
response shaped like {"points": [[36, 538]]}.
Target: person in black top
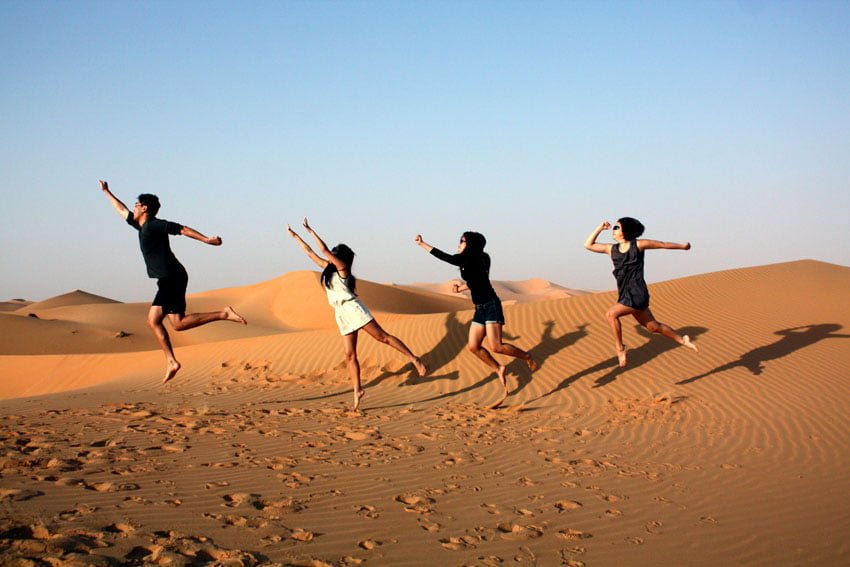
{"points": [[627, 256], [170, 274], [488, 318]]}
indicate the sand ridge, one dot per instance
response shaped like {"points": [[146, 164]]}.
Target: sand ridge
{"points": [[736, 455]]}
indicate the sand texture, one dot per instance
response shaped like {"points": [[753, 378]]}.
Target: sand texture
{"points": [[738, 455]]}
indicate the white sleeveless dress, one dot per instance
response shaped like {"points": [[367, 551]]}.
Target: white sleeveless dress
{"points": [[349, 312]]}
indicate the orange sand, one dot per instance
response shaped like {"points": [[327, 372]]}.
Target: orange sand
{"points": [[736, 455]]}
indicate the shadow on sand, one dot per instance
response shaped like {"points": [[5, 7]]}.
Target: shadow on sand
{"points": [[793, 339], [655, 346]]}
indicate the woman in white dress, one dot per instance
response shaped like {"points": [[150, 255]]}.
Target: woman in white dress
{"points": [[350, 313]]}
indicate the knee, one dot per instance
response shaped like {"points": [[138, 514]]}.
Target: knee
{"points": [[473, 348], [382, 338], [498, 348], [350, 357], [653, 326], [611, 315]]}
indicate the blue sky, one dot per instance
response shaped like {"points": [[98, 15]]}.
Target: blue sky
{"points": [[723, 123]]}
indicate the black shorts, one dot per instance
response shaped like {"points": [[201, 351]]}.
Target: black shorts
{"points": [[171, 295], [489, 312]]}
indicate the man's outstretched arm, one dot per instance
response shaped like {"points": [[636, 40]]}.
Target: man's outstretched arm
{"points": [[192, 233], [116, 202]]}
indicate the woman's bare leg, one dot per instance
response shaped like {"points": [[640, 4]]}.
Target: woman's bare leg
{"points": [[474, 345], [613, 317], [379, 334], [494, 339], [349, 342], [646, 319]]}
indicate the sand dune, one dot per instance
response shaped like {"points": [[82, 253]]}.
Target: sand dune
{"points": [[522, 291], [737, 455]]}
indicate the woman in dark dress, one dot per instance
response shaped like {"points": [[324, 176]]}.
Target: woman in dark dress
{"points": [[488, 319], [627, 255]]}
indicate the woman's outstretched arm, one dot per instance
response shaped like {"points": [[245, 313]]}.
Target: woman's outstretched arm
{"points": [[326, 252], [594, 246], [659, 245], [422, 244], [321, 262]]}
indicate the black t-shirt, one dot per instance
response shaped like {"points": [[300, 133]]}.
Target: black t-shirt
{"points": [[475, 271], [153, 240]]}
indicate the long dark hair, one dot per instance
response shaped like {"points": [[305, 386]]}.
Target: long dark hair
{"points": [[345, 254], [475, 243], [632, 228]]}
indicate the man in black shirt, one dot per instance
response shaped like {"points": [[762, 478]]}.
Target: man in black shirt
{"points": [[170, 274]]}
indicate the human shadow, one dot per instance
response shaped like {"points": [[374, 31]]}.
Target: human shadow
{"points": [[657, 345], [450, 346], [793, 339], [548, 346]]}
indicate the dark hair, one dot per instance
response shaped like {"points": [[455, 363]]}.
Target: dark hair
{"points": [[151, 202], [345, 254], [475, 243], [632, 228]]}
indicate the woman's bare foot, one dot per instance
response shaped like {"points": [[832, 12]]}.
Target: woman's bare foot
{"points": [[358, 395], [502, 378], [621, 356], [171, 371], [686, 341], [532, 364], [420, 368], [232, 315]]}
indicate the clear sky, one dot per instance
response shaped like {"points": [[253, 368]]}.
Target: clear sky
{"points": [[726, 124]]}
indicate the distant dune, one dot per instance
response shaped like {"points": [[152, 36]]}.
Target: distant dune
{"points": [[737, 455]]}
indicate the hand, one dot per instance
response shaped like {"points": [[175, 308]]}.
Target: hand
{"points": [[604, 226], [456, 288], [418, 239], [307, 225], [687, 246], [104, 186], [215, 241], [290, 231]]}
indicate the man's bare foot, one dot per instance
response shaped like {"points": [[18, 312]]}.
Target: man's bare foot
{"points": [[232, 315], [171, 371], [686, 341], [621, 356], [420, 368], [532, 364], [358, 395]]}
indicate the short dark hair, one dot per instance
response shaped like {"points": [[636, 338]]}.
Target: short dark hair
{"points": [[632, 228], [151, 202]]}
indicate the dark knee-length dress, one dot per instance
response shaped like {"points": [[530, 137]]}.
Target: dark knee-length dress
{"points": [[628, 270]]}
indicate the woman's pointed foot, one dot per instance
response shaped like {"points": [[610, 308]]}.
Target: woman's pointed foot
{"points": [[358, 395], [686, 341], [621, 356]]}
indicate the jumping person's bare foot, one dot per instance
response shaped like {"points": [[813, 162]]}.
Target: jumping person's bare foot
{"points": [[232, 315], [171, 371], [621, 356], [686, 341], [502, 378], [420, 368], [358, 395], [532, 364]]}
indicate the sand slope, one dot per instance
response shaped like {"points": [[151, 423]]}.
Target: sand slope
{"points": [[737, 455]]}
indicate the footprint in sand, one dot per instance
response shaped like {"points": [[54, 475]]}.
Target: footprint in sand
{"points": [[573, 535], [567, 505], [512, 531], [18, 494], [367, 512]]}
